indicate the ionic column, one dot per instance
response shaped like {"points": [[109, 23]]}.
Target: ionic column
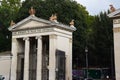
{"points": [[26, 60], [52, 60], [14, 59], [39, 57]]}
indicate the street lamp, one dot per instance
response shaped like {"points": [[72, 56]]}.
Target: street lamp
{"points": [[86, 53]]}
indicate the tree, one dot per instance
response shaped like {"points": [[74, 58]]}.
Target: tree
{"points": [[8, 10], [103, 40]]}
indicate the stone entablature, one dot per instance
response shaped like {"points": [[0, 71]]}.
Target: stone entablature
{"points": [[32, 31]]}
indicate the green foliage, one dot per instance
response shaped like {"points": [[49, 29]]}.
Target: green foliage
{"points": [[103, 40], [8, 10]]}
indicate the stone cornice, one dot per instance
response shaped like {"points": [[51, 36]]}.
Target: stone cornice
{"points": [[114, 14]]}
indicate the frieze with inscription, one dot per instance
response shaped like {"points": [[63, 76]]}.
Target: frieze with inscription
{"points": [[32, 31]]}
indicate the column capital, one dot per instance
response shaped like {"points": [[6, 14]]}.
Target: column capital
{"points": [[38, 37], [53, 36], [26, 38]]}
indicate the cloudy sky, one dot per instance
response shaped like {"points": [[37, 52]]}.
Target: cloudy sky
{"points": [[96, 6]]}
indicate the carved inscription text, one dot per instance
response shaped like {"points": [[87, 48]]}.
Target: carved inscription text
{"points": [[32, 31]]}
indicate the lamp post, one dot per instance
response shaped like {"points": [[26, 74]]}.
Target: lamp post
{"points": [[86, 53]]}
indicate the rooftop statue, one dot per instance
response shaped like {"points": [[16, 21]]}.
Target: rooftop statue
{"points": [[12, 23], [72, 23], [32, 11], [112, 9], [53, 18]]}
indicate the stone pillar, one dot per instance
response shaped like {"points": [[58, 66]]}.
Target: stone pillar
{"points": [[52, 60], [26, 60], [67, 67], [117, 51], [39, 57], [14, 59], [70, 60]]}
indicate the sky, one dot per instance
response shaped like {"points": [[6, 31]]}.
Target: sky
{"points": [[94, 7]]}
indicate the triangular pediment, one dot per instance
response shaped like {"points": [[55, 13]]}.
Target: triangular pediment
{"points": [[30, 22], [35, 22], [114, 14]]}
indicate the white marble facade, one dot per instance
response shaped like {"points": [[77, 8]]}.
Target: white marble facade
{"points": [[116, 31], [60, 37]]}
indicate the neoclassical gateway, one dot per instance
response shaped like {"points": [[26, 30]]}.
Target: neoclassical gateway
{"points": [[115, 15], [41, 49]]}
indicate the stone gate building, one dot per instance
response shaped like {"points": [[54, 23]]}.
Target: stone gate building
{"points": [[41, 49]]}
